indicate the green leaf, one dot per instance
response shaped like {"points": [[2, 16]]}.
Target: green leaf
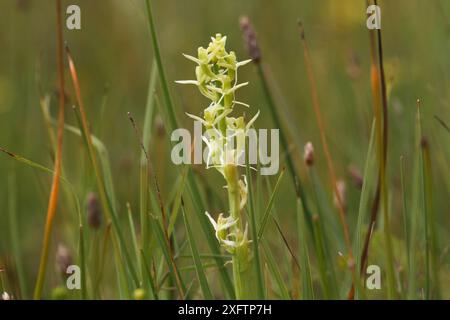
{"points": [[198, 264]]}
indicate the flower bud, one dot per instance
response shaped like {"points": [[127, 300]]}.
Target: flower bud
{"points": [[94, 216], [5, 296], [308, 154], [356, 176], [342, 193], [63, 259], [249, 36]]}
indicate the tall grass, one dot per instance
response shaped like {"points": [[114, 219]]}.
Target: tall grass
{"points": [[309, 240]]}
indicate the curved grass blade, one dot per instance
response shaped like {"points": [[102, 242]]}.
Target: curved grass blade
{"points": [[364, 203], [164, 245], [274, 270], [269, 205]]}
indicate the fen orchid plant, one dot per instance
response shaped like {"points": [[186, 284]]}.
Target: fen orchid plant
{"points": [[217, 79]]}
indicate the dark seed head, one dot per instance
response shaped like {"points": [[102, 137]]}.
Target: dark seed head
{"points": [[63, 259], [341, 197], [94, 216], [249, 36], [424, 143], [159, 126], [308, 154], [356, 176]]}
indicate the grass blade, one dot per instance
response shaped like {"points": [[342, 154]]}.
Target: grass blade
{"points": [[177, 202], [269, 206], [253, 228], [82, 257], [107, 202], [305, 266], [406, 228], [364, 200], [198, 264], [274, 270], [435, 290], [164, 245], [14, 230], [144, 173]]}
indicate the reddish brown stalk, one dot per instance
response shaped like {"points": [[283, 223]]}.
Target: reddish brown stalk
{"points": [[378, 87], [53, 200], [108, 209], [320, 124]]}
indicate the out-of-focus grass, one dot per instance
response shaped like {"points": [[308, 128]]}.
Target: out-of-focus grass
{"points": [[114, 49]]}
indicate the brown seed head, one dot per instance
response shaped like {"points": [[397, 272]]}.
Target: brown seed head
{"points": [[94, 215], [355, 175], [63, 259], [308, 154], [342, 193], [249, 35]]}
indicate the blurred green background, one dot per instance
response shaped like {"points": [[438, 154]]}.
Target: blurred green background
{"points": [[113, 55]]}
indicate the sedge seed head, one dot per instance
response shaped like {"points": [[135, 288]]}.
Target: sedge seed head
{"points": [[63, 259], [249, 35], [308, 154], [94, 214]]}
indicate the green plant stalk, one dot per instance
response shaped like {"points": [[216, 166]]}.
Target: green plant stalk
{"points": [[363, 208], [145, 169], [274, 270], [405, 213], [69, 187], [389, 253], [149, 277], [118, 238], [172, 124], [134, 237], [176, 203], [82, 257], [166, 250], [322, 241], [306, 280], [425, 224], [378, 87], [321, 257], [414, 217], [268, 209], [271, 208], [252, 213], [424, 202], [14, 230], [434, 259], [383, 181], [242, 256], [102, 257], [197, 261]]}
